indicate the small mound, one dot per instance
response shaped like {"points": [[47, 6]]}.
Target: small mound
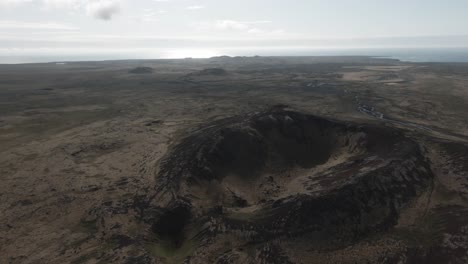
{"points": [[141, 70], [211, 71]]}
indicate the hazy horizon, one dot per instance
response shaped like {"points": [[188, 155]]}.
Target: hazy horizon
{"points": [[121, 29]]}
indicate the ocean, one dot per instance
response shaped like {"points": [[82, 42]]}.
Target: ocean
{"points": [[404, 54]]}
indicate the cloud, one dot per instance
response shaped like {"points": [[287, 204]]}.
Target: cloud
{"points": [[149, 15], [100, 9], [8, 24], [255, 28], [47, 3], [195, 7], [73, 4], [103, 9], [10, 3], [238, 25], [231, 25]]}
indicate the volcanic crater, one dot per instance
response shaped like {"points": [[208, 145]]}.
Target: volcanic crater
{"points": [[282, 173]]}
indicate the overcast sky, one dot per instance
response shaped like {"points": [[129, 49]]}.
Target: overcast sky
{"points": [[86, 26]]}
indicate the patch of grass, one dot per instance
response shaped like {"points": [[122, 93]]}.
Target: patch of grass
{"points": [[169, 251], [88, 226], [445, 195], [426, 233], [85, 258], [258, 216], [78, 242], [241, 216], [109, 244]]}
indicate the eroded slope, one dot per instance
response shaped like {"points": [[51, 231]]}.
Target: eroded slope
{"points": [[285, 174]]}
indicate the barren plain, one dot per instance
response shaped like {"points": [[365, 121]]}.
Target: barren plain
{"points": [[234, 160]]}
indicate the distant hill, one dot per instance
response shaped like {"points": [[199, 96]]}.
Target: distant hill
{"points": [[141, 70], [212, 71]]}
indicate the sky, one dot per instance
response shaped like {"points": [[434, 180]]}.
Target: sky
{"points": [[204, 28]]}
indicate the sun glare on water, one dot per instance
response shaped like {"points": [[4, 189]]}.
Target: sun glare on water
{"points": [[190, 53]]}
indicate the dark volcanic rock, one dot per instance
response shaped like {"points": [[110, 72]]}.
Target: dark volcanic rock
{"points": [[285, 174]]}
